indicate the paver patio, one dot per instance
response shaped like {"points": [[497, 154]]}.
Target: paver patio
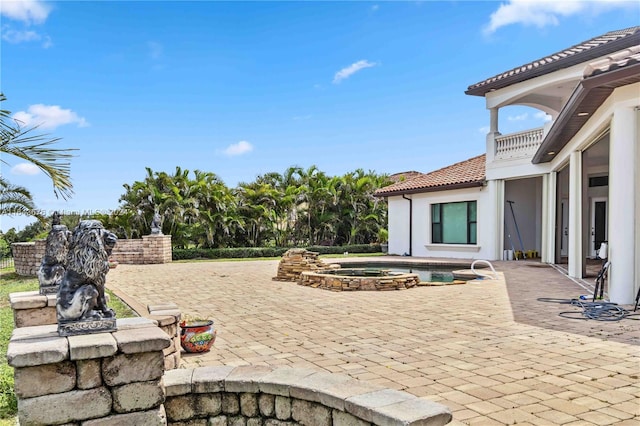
{"points": [[491, 351]]}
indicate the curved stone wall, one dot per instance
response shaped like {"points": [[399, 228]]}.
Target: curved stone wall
{"points": [[150, 249], [27, 257], [261, 395], [355, 282], [118, 378]]}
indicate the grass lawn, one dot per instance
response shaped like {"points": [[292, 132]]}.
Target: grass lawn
{"points": [[10, 282]]}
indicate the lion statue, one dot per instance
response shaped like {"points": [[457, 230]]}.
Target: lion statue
{"points": [[52, 267], [81, 294]]}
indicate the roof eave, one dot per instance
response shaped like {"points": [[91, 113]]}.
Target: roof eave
{"points": [[596, 52], [473, 184], [606, 82]]}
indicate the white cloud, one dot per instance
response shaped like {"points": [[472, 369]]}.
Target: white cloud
{"points": [[48, 117], [541, 115], [24, 36], [484, 130], [375, 7], [25, 169], [347, 72], [520, 117], [542, 13], [239, 148], [14, 36], [27, 11]]}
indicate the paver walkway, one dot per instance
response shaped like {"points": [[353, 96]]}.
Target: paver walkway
{"points": [[490, 351]]}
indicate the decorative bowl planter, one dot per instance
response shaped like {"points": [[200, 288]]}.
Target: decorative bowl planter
{"points": [[197, 335]]}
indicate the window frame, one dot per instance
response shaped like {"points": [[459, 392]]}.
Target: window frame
{"points": [[437, 220]]}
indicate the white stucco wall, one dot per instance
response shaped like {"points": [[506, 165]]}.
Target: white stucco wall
{"points": [[398, 209], [422, 247]]}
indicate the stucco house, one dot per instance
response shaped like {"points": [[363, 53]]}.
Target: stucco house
{"points": [[572, 184]]}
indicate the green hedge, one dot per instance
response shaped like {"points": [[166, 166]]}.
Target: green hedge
{"points": [[251, 252]]}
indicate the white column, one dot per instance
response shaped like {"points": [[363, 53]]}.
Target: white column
{"points": [[491, 136], [637, 188], [575, 215], [548, 217], [492, 230], [499, 203], [623, 218], [493, 120]]}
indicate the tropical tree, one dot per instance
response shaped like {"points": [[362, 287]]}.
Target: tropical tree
{"points": [[300, 207], [257, 206], [22, 143], [16, 200]]}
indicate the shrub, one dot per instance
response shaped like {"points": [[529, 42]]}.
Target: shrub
{"points": [[254, 252]]}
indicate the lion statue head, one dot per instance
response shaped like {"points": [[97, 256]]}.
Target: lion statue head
{"points": [[81, 293], [89, 250], [52, 267]]}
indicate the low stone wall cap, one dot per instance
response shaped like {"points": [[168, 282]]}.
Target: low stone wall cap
{"points": [[91, 346], [34, 332], [178, 382], [161, 307], [135, 322], [245, 378], [137, 340], [27, 300], [27, 353]]}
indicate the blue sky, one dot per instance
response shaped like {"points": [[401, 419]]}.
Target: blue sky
{"points": [[245, 88]]}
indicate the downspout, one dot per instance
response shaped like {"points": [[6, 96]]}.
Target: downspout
{"points": [[410, 223]]}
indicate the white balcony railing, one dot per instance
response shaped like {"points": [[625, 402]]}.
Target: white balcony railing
{"points": [[518, 145]]}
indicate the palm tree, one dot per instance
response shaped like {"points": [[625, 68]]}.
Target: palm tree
{"points": [[16, 199], [36, 149]]}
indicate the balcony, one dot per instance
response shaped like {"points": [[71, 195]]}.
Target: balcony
{"points": [[518, 145]]}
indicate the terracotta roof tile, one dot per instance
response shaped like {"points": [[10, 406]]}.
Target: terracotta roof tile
{"points": [[404, 176], [618, 60], [464, 174], [581, 52]]}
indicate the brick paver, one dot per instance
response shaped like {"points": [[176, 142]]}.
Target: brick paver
{"points": [[495, 352]]}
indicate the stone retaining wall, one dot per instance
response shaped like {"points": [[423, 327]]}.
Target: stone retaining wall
{"points": [[264, 396], [351, 283], [30, 308], [27, 257], [118, 378], [151, 249]]}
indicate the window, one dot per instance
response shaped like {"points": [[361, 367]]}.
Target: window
{"points": [[598, 181], [454, 223]]}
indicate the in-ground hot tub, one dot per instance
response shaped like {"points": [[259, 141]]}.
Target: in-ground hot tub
{"points": [[350, 279]]}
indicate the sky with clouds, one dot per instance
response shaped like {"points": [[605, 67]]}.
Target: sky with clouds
{"points": [[246, 88]]}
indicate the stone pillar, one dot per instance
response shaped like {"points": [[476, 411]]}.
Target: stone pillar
{"points": [[575, 214], [623, 218], [97, 379], [156, 248], [168, 317]]}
